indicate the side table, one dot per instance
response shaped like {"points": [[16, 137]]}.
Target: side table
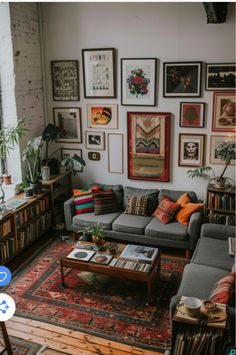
{"points": [[5, 336]]}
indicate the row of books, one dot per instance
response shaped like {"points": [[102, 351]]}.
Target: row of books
{"points": [[5, 228], [221, 201], [220, 218], [33, 230], [32, 211], [130, 265], [7, 249]]}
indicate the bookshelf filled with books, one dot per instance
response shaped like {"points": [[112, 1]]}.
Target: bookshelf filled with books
{"points": [[220, 206], [6, 237]]}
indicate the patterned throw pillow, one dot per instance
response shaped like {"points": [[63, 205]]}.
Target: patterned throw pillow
{"points": [[137, 205], [223, 290], [166, 210], [104, 202], [83, 200]]}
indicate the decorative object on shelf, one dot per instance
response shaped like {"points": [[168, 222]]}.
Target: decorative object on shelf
{"points": [[220, 76], [148, 145], [28, 192], [72, 160], [94, 156], [115, 153], [95, 140], [138, 81], [68, 122], [224, 112], [102, 116], [9, 136], [182, 79], [2, 193], [99, 73], [192, 114], [191, 149], [45, 172], [65, 80]]}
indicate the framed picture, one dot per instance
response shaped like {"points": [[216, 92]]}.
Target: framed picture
{"points": [[138, 82], [148, 145], [192, 114], [216, 143], [99, 73], [191, 149], [69, 122], [224, 113], [182, 79], [102, 116], [70, 152], [95, 140], [115, 153], [220, 76], [65, 80]]}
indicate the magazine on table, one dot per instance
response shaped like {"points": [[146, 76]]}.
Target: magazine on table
{"points": [[140, 253]]}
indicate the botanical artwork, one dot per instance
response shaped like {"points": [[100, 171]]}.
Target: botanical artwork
{"points": [[192, 114], [191, 149], [220, 76], [182, 79], [148, 146], [95, 140], [102, 116], [224, 113], [138, 81], [65, 80], [69, 153], [219, 145], [69, 122]]}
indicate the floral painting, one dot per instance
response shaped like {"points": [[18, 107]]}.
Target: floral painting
{"points": [[138, 78]]}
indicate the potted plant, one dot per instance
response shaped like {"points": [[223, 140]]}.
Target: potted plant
{"points": [[97, 233], [31, 154], [9, 136], [73, 163], [50, 165], [86, 234]]}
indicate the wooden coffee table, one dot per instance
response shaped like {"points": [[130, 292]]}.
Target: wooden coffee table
{"points": [[147, 277]]}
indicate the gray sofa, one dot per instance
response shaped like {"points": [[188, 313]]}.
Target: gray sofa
{"points": [[146, 230], [210, 262]]}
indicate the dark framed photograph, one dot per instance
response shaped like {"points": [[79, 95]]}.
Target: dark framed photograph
{"points": [[148, 145], [191, 149], [69, 153], [138, 81], [192, 114], [182, 79], [220, 76], [99, 73], [95, 140], [69, 122], [65, 80], [224, 113]]}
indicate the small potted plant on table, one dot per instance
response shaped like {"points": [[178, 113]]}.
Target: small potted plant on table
{"points": [[97, 233]]}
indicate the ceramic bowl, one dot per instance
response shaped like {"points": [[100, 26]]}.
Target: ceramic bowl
{"points": [[192, 306]]}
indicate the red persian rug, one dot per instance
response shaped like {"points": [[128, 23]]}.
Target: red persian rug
{"points": [[94, 303]]}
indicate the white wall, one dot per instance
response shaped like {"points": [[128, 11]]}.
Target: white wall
{"points": [[167, 31]]}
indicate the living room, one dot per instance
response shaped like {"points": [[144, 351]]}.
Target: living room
{"points": [[40, 41]]}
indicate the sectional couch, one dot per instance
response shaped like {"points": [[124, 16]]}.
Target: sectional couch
{"points": [[146, 230], [210, 262]]}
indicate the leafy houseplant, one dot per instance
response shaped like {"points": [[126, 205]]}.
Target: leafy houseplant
{"points": [[9, 136], [97, 233], [49, 135], [73, 163]]}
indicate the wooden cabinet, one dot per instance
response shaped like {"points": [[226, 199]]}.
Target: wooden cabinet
{"points": [[220, 206]]}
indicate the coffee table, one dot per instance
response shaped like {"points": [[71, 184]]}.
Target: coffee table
{"points": [[146, 277]]}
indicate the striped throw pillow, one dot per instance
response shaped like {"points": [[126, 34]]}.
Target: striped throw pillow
{"points": [[104, 202], [137, 205], [83, 200], [223, 290], [166, 210]]}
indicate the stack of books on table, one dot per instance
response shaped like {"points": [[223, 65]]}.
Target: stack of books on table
{"points": [[130, 265], [88, 246]]}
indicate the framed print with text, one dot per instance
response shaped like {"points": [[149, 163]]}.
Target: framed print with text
{"points": [[224, 113], [99, 73], [218, 142], [95, 140], [192, 114], [138, 81], [148, 145], [220, 76], [69, 122], [102, 116], [69, 153], [191, 149], [65, 80]]}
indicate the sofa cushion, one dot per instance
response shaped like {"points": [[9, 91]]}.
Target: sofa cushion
{"points": [[118, 191], [137, 205], [175, 194], [223, 290], [131, 223], [151, 193], [104, 220], [166, 210], [184, 214], [173, 230], [213, 252], [104, 202], [83, 200]]}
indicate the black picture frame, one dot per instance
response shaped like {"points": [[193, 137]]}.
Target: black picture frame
{"points": [[65, 80], [220, 76], [182, 79]]}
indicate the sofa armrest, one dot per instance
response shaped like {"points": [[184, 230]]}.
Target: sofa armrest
{"points": [[173, 304], [194, 229], [69, 211], [217, 231]]}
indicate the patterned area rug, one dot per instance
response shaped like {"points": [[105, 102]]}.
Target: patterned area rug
{"points": [[96, 304], [23, 347]]}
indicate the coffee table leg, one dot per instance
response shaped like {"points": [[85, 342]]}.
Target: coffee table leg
{"points": [[149, 290], [62, 275]]}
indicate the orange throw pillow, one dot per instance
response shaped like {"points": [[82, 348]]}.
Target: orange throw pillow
{"points": [[184, 214], [183, 199]]}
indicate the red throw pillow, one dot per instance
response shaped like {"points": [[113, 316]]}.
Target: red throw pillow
{"points": [[166, 210], [223, 290]]}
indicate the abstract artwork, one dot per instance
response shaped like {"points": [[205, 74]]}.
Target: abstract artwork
{"points": [[102, 116], [224, 111], [192, 114]]}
